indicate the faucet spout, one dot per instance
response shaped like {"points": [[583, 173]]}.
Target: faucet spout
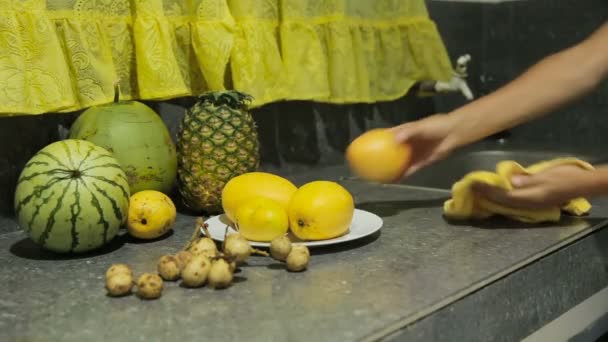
{"points": [[457, 83]]}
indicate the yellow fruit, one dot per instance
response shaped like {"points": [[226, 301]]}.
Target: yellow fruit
{"points": [[251, 185], [151, 214], [262, 219], [378, 157], [320, 210]]}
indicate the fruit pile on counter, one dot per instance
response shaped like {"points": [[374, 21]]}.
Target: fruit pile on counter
{"points": [[118, 169]]}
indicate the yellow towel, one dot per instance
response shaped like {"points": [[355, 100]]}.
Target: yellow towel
{"points": [[464, 204]]}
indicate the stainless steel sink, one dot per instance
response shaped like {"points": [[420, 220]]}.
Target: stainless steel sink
{"points": [[444, 173]]}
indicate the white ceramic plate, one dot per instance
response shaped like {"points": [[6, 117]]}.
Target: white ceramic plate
{"points": [[364, 223]]}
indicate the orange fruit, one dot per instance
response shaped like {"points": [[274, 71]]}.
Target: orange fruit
{"points": [[378, 157]]}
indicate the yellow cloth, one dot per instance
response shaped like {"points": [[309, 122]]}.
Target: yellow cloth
{"points": [[64, 55], [464, 204]]}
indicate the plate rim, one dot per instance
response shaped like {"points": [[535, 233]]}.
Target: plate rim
{"points": [[318, 243]]}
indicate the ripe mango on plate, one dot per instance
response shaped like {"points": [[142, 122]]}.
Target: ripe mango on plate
{"points": [[264, 206]]}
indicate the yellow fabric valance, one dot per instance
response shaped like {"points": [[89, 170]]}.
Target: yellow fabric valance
{"points": [[64, 55]]}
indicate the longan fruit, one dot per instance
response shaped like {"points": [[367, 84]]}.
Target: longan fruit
{"points": [[183, 258], [234, 236], [204, 246], [168, 267], [119, 284], [298, 258], [238, 248], [196, 271], [280, 248], [149, 286], [117, 269], [220, 275]]}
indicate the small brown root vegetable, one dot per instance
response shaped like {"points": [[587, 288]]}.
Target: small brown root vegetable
{"points": [[196, 271], [118, 269], [280, 248], [298, 258], [119, 284], [204, 246], [168, 267], [183, 258], [220, 276], [149, 286], [237, 248]]}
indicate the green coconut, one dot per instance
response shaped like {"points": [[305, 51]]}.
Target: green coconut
{"points": [[137, 137]]}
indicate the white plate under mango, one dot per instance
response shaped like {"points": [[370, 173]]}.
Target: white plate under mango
{"points": [[364, 223]]}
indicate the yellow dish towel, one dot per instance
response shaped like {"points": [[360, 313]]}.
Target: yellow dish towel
{"points": [[464, 204]]}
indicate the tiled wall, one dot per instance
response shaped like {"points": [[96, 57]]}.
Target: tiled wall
{"points": [[503, 39]]}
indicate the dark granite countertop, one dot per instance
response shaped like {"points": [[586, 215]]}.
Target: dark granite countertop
{"points": [[363, 290]]}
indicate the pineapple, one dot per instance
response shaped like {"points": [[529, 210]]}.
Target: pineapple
{"points": [[217, 141]]}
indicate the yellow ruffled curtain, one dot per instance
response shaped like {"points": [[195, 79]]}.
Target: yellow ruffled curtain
{"points": [[64, 55]]}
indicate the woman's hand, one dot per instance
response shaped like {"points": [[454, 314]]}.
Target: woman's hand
{"points": [[429, 138], [553, 187], [556, 80]]}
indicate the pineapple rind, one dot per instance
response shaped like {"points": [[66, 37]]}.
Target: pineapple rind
{"points": [[218, 140]]}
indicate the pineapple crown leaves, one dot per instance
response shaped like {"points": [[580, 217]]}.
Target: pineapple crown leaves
{"points": [[230, 98]]}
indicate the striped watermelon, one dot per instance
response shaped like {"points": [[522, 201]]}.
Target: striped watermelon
{"points": [[72, 196]]}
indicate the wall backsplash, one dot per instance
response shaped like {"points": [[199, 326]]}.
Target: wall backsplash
{"points": [[503, 39]]}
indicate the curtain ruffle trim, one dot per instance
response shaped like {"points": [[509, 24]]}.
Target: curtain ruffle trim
{"points": [[56, 62]]}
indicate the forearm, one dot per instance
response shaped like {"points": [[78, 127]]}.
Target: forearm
{"points": [[553, 82], [596, 184]]}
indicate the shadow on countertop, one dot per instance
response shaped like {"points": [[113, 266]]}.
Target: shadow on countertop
{"points": [[345, 246], [392, 208], [27, 249]]}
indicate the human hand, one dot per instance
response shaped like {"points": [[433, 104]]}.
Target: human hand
{"points": [[555, 186], [429, 139]]}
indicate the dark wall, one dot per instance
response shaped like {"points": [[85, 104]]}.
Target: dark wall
{"points": [[503, 40], [507, 38], [20, 138]]}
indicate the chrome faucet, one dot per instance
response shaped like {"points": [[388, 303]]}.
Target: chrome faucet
{"points": [[456, 83]]}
